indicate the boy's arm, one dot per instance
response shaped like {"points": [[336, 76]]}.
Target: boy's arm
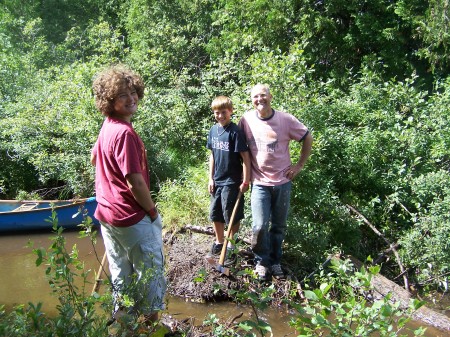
{"points": [[93, 158], [94, 154], [141, 193], [246, 166], [211, 174]]}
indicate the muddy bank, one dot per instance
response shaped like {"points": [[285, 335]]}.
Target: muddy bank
{"points": [[191, 276]]}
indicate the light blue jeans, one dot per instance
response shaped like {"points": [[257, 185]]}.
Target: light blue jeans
{"points": [[137, 249], [270, 206]]}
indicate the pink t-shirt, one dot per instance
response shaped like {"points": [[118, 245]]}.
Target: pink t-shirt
{"points": [[268, 141], [119, 151]]}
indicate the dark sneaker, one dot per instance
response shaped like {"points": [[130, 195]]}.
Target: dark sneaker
{"points": [[230, 258], [277, 272], [262, 272], [216, 249]]}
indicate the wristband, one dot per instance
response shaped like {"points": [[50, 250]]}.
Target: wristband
{"points": [[153, 213], [245, 184]]}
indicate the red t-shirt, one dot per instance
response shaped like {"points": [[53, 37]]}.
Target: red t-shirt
{"points": [[119, 151]]}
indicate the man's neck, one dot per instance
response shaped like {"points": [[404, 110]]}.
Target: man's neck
{"points": [[266, 113]]}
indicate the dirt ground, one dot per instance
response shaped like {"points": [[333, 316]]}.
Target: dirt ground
{"points": [[191, 276], [188, 272]]}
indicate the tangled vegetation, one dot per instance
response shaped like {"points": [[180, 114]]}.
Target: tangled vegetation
{"points": [[370, 79]]}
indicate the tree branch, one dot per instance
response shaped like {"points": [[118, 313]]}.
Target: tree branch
{"points": [[391, 246]]}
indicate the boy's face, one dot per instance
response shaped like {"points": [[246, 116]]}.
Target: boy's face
{"points": [[223, 116], [126, 103]]}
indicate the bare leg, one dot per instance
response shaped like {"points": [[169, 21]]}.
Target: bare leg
{"points": [[218, 229], [235, 229]]}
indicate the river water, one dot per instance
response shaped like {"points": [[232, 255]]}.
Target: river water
{"points": [[22, 282]]}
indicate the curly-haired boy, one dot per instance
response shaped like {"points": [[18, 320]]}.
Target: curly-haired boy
{"points": [[130, 224]]}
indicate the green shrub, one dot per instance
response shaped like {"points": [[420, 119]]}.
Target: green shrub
{"points": [[184, 201], [340, 306]]}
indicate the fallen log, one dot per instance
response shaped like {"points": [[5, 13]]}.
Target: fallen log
{"points": [[207, 231], [198, 229], [383, 286]]}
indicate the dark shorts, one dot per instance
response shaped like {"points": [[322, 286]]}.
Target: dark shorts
{"points": [[222, 204]]}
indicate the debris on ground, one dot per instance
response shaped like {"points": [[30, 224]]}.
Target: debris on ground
{"points": [[190, 276]]}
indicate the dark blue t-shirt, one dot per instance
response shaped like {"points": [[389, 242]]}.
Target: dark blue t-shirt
{"points": [[225, 144]]}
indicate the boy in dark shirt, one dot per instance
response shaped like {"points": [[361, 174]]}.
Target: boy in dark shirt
{"points": [[229, 172]]}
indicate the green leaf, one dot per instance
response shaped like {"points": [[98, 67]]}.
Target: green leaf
{"points": [[244, 325], [310, 295]]}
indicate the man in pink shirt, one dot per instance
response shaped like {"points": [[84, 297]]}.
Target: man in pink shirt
{"points": [[130, 224], [268, 134]]}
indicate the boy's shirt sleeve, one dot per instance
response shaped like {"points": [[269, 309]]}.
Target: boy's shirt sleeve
{"points": [[241, 141], [128, 154]]}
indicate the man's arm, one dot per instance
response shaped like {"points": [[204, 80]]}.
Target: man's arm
{"points": [[306, 151], [292, 172], [141, 193], [246, 165]]}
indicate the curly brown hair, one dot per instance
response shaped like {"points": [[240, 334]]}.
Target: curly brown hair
{"points": [[109, 82]]}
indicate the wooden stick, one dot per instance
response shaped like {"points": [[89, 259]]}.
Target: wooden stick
{"points": [[220, 266], [228, 234], [98, 280], [385, 252]]}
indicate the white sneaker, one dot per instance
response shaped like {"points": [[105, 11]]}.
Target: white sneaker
{"points": [[262, 272]]}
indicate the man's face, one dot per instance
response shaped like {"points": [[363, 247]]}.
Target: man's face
{"points": [[261, 98]]}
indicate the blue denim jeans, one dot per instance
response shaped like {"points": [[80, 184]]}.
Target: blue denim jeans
{"points": [[270, 206]]}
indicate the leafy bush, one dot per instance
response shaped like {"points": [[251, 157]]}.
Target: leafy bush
{"points": [[425, 246], [183, 202], [340, 306], [52, 128]]}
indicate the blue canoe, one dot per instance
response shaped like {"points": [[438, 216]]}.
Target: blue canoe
{"points": [[36, 214]]}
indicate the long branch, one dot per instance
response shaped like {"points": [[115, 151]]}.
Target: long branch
{"points": [[391, 246]]}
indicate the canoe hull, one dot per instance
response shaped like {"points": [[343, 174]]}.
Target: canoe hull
{"points": [[36, 215]]}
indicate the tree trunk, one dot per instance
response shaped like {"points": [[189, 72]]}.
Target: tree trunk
{"points": [[383, 286]]}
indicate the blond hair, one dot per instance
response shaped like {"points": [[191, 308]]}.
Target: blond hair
{"points": [[222, 102]]}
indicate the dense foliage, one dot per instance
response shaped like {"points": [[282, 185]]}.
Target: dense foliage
{"points": [[369, 78]]}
